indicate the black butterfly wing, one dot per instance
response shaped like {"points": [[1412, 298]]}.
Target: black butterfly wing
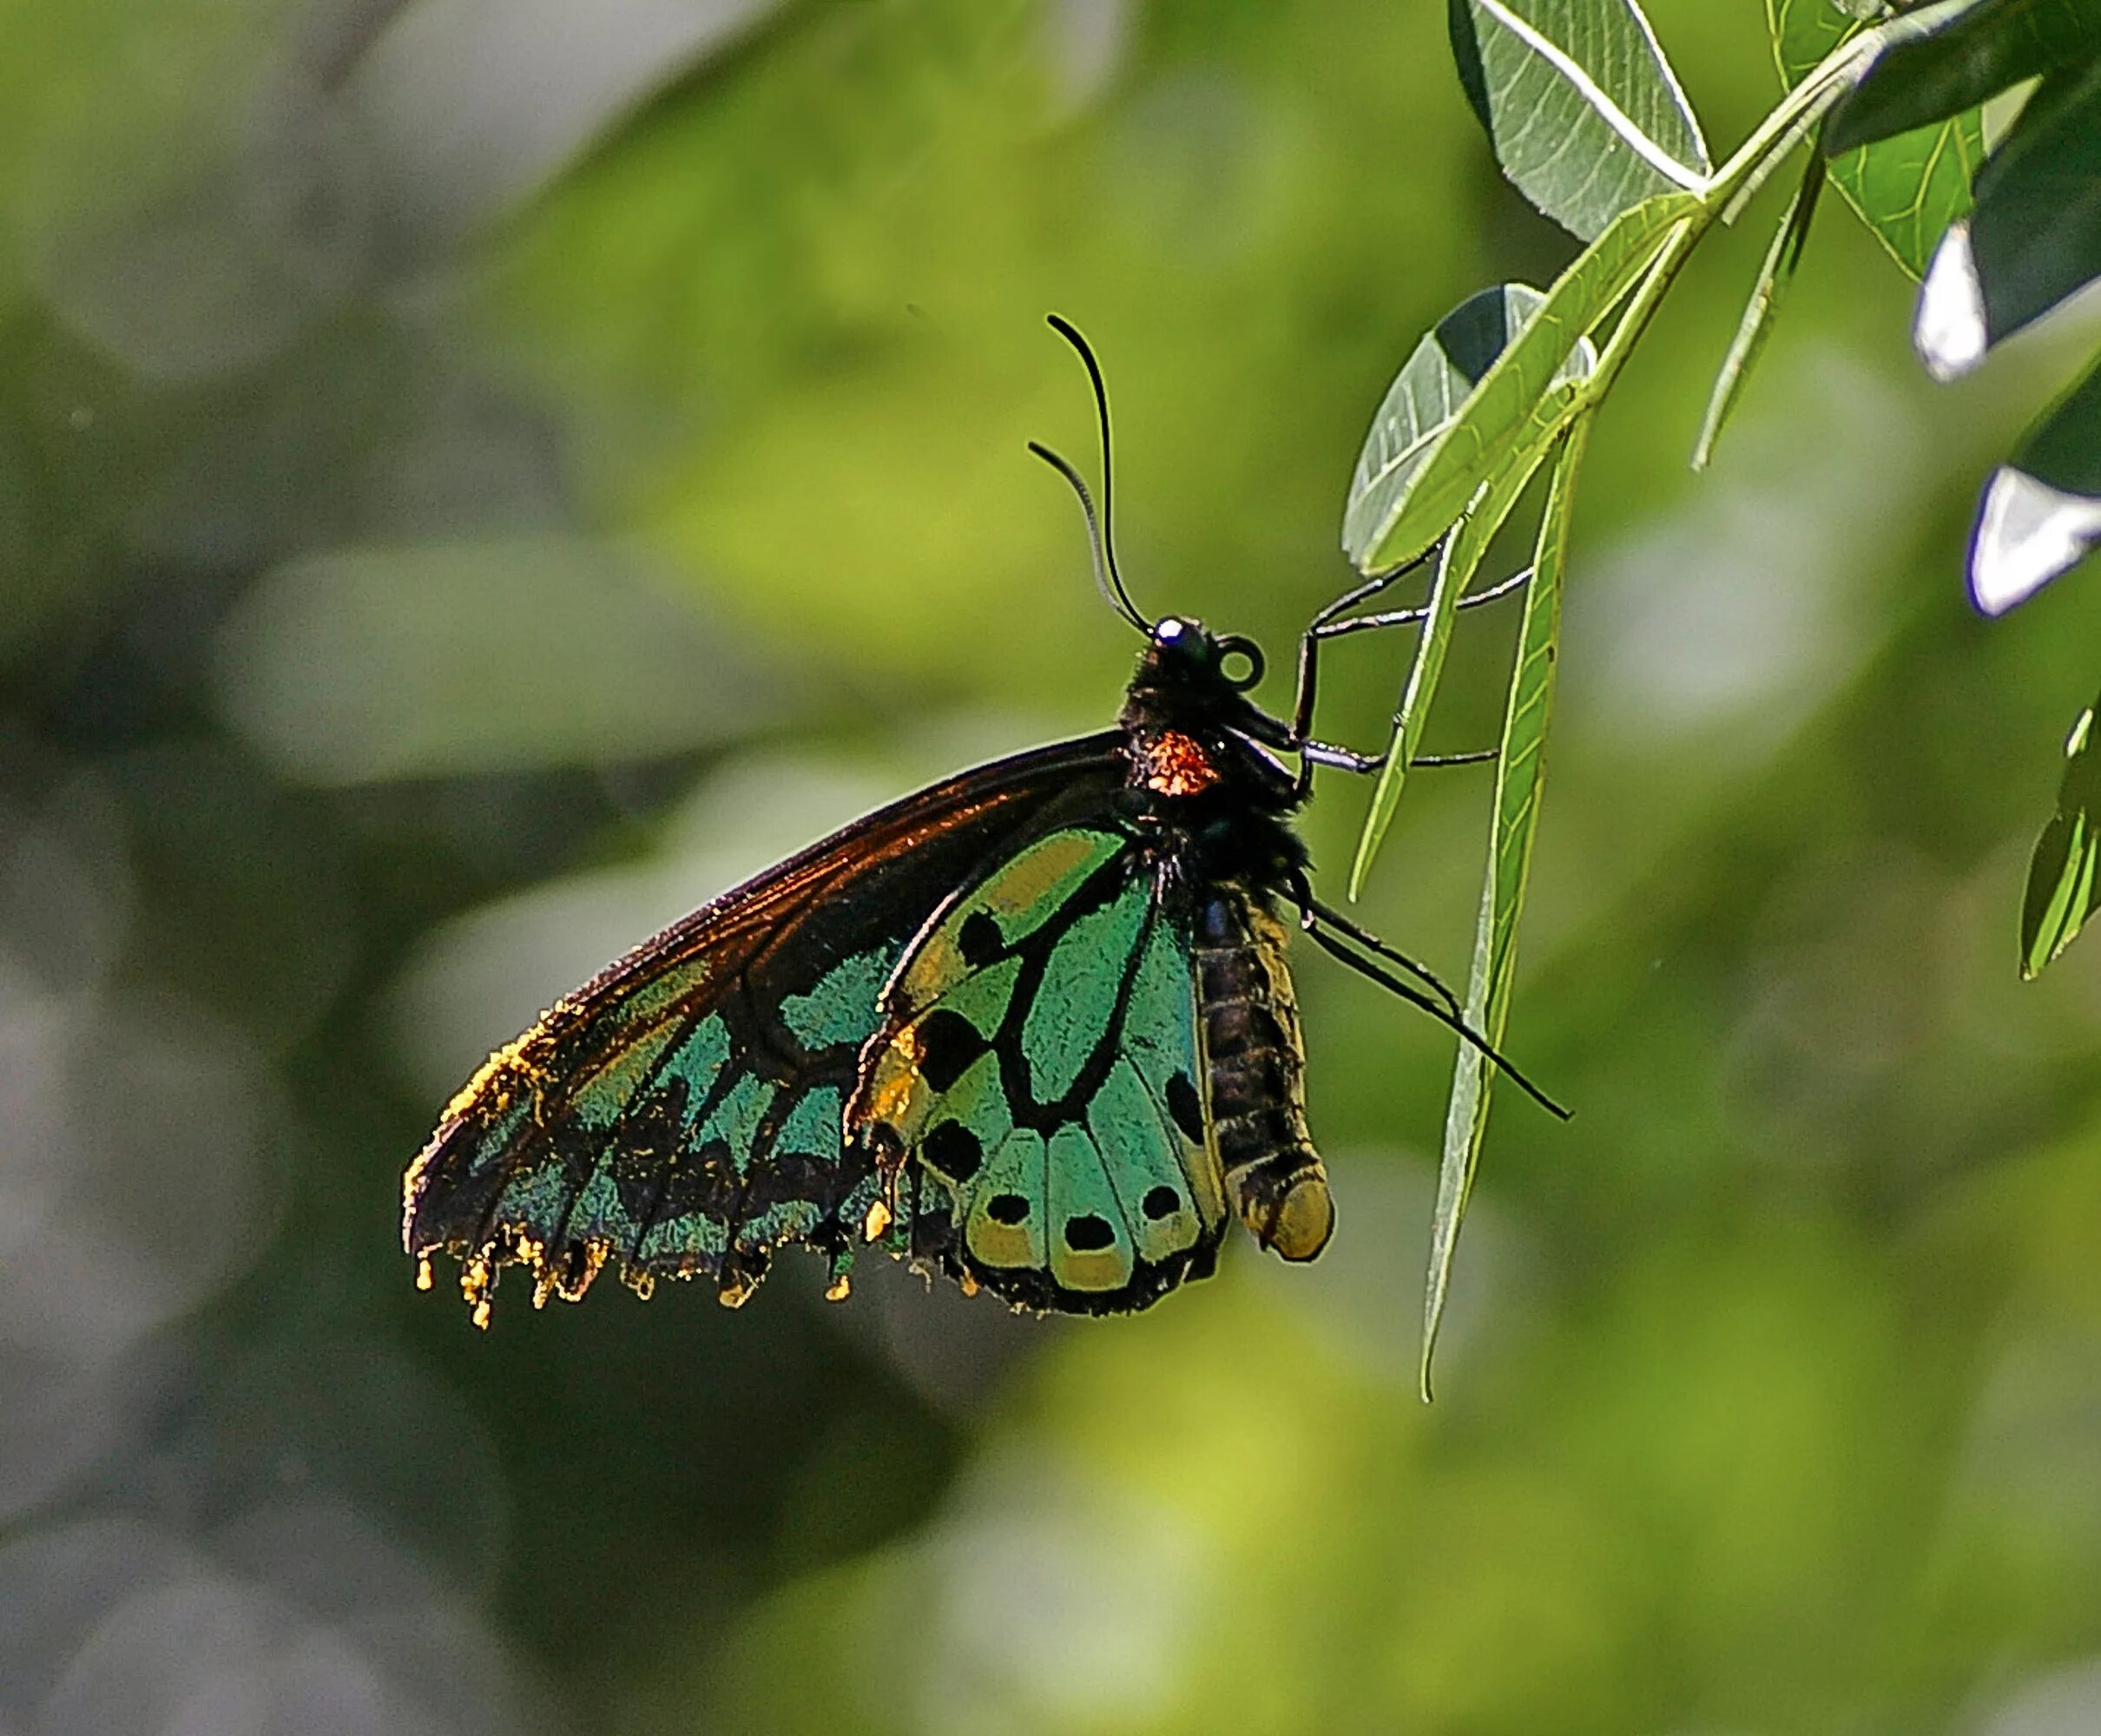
{"points": [[682, 1113]]}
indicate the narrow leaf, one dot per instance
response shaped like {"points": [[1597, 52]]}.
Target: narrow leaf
{"points": [[1520, 775], [1524, 400], [1773, 276], [2063, 887], [1970, 58], [1583, 110], [1461, 558]]}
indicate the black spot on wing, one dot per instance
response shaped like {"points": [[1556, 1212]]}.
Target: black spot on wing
{"points": [[948, 1043], [1186, 1107], [953, 1150], [1088, 1232], [1007, 1208], [1161, 1202], [980, 939]]}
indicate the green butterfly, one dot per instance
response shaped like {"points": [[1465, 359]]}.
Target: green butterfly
{"points": [[1032, 1027]]}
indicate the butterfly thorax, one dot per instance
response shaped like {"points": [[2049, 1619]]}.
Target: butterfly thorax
{"points": [[1197, 770]]}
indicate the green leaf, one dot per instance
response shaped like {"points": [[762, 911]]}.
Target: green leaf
{"points": [[1803, 32], [2063, 887], [1585, 114], [1907, 189], [2063, 447], [2041, 514], [1426, 397], [1910, 188], [2036, 236], [1463, 553], [1528, 393], [1773, 276], [1520, 775], [1970, 58]]}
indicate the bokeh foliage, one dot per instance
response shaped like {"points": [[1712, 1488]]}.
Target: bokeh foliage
{"points": [[434, 553]]}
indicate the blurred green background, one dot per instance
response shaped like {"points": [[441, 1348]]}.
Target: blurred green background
{"points": [[477, 479]]}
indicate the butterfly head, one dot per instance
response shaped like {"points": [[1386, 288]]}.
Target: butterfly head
{"points": [[1186, 655], [1189, 724]]}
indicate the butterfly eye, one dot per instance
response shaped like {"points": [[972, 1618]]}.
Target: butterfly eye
{"points": [[1247, 651]]}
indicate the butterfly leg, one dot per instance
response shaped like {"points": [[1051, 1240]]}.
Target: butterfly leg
{"points": [[1312, 753], [1341, 939], [1334, 622], [1313, 912], [1323, 626]]}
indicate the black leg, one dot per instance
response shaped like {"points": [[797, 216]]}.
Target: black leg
{"points": [[1327, 624], [1392, 984], [1330, 628], [1309, 642], [1312, 910], [1327, 754]]}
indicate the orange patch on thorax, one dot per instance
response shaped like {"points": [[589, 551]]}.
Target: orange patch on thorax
{"points": [[1175, 765]]}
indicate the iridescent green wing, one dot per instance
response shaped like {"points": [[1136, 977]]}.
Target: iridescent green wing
{"points": [[1039, 1063], [682, 1114]]}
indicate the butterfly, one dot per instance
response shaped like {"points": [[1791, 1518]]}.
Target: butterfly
{"points": [[1032, 1027]]}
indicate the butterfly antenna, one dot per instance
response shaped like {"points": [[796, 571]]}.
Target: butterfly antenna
{"points": [[1093, 532], [1102, 538]]}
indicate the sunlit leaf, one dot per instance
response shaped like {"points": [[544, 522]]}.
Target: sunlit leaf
{"points": [[1970, 58], [2041, 514], [1777, 272], [1585, 115], [2063, 887], [1907, 189], [1426, 395], [1461, 558], [1911, 187], [1523, 400], [1520, 775]]}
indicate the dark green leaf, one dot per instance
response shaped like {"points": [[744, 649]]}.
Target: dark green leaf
{"points": [[1970, 58], [1520, 774], [2036, 236], [1525, 396], [2041, 514], [2063, 887], [1584, 112], [1773, 277], [2063, 447]]}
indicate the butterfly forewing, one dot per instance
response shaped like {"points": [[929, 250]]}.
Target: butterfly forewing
{"points": [[682, 1114]]}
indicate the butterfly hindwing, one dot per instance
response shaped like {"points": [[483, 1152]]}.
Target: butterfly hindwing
{"points": [[683, 1114], [1040, 1060]]}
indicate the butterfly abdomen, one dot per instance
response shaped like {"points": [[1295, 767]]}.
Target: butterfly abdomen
{"points": [[1254, 1065]]}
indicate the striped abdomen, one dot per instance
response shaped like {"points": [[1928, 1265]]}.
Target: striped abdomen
{"points": [[1254, 1062]]}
